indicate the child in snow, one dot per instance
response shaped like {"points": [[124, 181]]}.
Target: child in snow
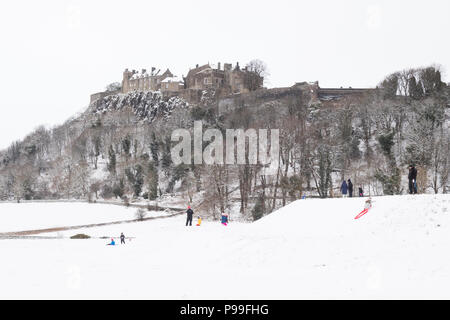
{"points": [[122, 238], [361, 192], [113, 243], [224, 220], [199, 221], [367, 206]]}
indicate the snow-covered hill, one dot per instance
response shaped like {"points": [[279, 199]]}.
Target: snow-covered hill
{"points": [[307, 250]]}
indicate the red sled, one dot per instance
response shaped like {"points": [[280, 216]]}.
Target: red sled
{"points": [[362, 213]]}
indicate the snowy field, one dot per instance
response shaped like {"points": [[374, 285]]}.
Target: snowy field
{"points": [[39, 215], [310, 249]]}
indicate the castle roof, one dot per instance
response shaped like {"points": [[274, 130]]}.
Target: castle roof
{"points": [[145, 74], [172, 79], [205, 70], [139, 75], [198, 69]]}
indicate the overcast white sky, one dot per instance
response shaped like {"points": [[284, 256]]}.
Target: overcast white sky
{"points": [[54, 54]]}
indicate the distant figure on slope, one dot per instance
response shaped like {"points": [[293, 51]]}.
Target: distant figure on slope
{"points": [[199, 221], [122, 238], [412, 176], [350, 188], [224, 219], [113, 243], [361, 192], [190, 213], [344, 188]]}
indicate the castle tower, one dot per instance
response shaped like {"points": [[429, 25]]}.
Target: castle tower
{"points": [[126, 80], [227, 67]]}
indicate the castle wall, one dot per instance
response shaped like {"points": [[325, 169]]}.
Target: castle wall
{"points": [[170, 86], [207, 79], [263, 96], [101, 95]]}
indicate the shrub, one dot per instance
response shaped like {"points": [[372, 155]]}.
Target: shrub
{"points": [[140, 214], [107, 192], [80, 236], [259, 208], [119, 189], [126, 201]]}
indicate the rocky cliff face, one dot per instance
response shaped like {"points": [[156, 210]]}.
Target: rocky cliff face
{"points": [[144, 105]]}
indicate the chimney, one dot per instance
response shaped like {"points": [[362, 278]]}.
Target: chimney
{"points": [[144, 71], [196, 65], [218, 66]]}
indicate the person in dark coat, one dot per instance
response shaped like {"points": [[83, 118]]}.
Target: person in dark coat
{"points": [[361, 192], [412, 176], [344, 188], [190, 213], [350, 188], [122, 238]]}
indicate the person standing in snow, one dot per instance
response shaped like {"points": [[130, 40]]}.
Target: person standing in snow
{"points": [[199, 221], [122, 238], [361, 192], [412, 176], [344, 188], [350, 188], [190, 213]]}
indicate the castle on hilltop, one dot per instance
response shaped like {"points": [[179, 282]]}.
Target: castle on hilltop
{"points": [[224, 81], [229, 80]]}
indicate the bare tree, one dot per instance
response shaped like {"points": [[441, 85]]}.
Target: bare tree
{"points": [[256, 74]]}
